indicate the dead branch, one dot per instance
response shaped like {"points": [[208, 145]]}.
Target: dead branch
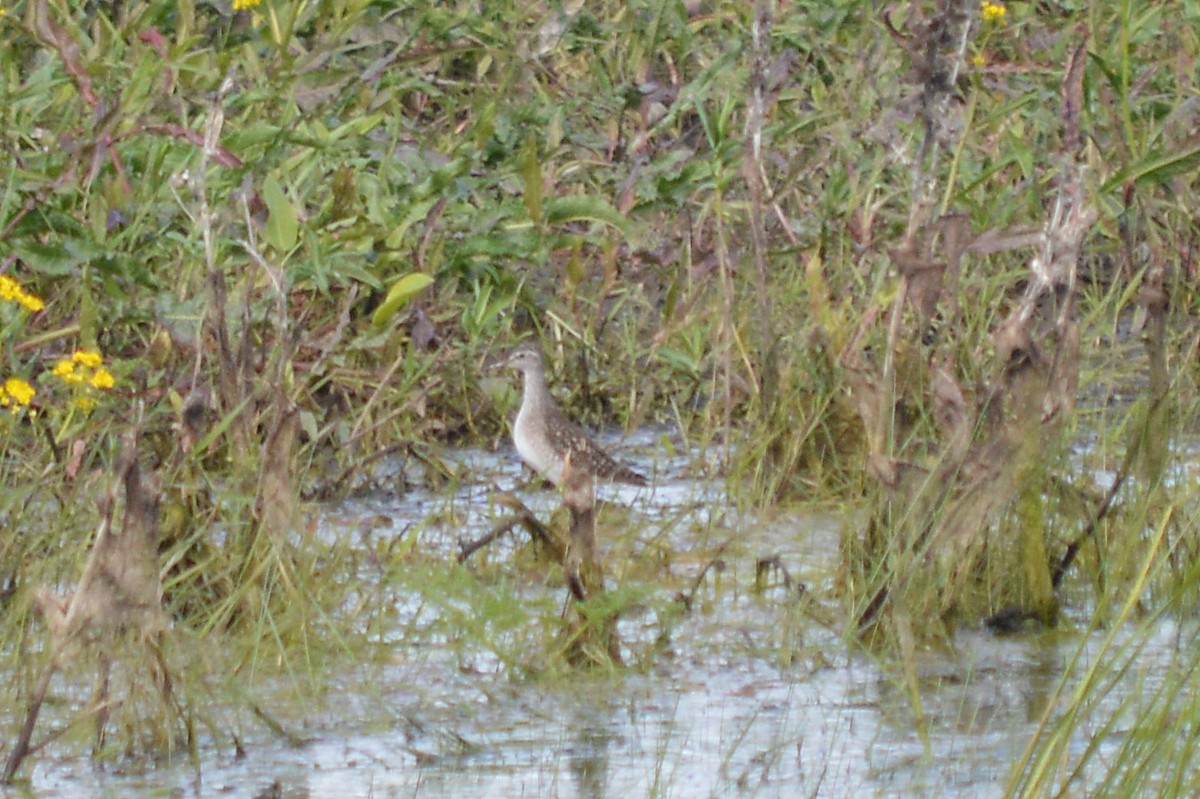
{"points": [[119, 592], [522, 516]]}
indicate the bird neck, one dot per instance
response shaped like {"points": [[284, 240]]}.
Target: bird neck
{"points": [[537, 394]]}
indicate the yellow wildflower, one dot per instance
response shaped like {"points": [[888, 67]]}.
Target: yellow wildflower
{"points": [[242, 5], [21, 392], [992, 12], [11, 291], [103, 379], [16, 394], [88, 358], [31, 302], [66, 370], [86, 372]]}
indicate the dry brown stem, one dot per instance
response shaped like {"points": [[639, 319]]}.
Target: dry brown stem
{"points": [[988, 459], [119, 593]]}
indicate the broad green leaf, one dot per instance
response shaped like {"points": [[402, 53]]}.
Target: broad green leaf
{"points": [[416, 212], [513, 242], [400, 293], [308, 423], [359, 126], [282, 223], [56, 258], [583, 207]]}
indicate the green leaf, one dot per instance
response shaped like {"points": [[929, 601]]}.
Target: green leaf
{"points": [[401, 292], [583, 207], [282, 223], [1156, 168], [513, 242], [359, 126], [678, 359], [531, 173], [57, 258], [308, 423], [87, 312], [417, 212]]}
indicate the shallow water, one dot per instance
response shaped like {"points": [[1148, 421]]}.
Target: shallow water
{"points": [[754, 694]]}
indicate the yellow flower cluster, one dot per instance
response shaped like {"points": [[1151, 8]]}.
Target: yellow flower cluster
{"points": [[16, 394], [992, 12], [11, 291], [85, 368], [243, 5]]}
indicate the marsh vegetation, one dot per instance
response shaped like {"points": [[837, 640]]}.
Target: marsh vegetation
{"points": [[924, 269]]}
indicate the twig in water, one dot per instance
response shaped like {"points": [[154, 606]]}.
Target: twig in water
{"points": [[521, 515], [686, 598]]}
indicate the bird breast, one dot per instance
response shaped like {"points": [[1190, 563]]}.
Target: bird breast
{"points": [[533, 445]]}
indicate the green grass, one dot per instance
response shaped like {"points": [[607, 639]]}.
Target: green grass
{"points": [[590, 177]]}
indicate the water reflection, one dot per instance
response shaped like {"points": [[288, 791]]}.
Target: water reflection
{"points": [[588, 756], [749, 699]]}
